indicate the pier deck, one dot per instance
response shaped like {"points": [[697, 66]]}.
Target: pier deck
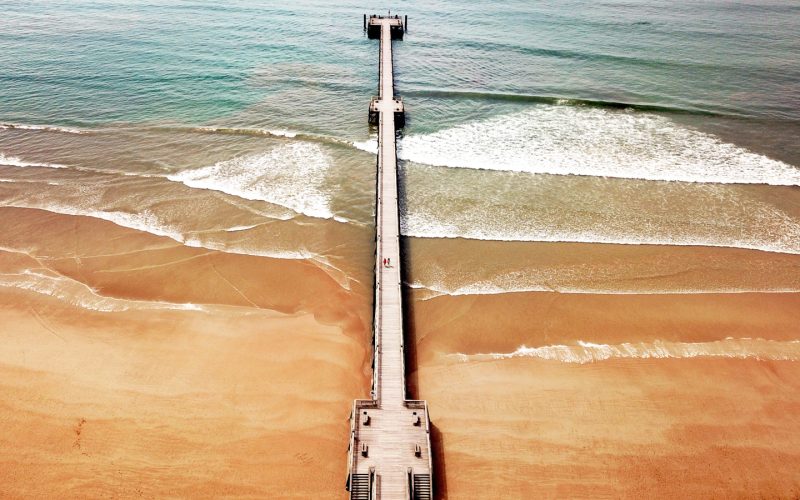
{"points": [[390, 456]]}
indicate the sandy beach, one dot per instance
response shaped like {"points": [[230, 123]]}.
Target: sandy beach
{"points": [[134, 365], [597, 289], [138, 367], [615, 395], [697, 428]]}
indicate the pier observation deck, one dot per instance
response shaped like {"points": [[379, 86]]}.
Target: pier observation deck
{"points": [[390, 453]]}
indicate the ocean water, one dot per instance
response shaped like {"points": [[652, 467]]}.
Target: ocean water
{"points": [[242, 127]]}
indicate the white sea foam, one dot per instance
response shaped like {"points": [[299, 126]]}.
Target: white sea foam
{"points": [[236, 229], [502, 285], [81, 295], [249, 131], [370, 145], [422, 224], [587, 352], [570, 140], [290, 175], [49, 128], [17, 162], [149, 222]]}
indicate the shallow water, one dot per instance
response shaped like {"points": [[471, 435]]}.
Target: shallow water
{"points": [[242, 127]]}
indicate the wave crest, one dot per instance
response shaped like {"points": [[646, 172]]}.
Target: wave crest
{"points": [[246, 131]]}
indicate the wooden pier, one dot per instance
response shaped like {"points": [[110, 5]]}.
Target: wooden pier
{"points": [[390, 452]]}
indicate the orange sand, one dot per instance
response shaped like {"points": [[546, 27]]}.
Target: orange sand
{"points": [[695, 428], [502, 322], [110, 386], [237, 399], [620, 428]]}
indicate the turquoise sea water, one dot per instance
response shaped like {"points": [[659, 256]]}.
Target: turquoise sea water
{"points": [[95, 62], [615, 122]]}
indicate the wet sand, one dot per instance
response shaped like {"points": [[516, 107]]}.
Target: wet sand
{"points": [[500, 323], [698, 427], [463, 266], [180, 372]]}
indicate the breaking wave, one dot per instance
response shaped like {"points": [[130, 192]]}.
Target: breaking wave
{"points": [[570, 140], [290, 175], [47, 128], [553, 100]]}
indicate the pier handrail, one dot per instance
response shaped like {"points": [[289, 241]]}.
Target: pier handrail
{"points": [[351, 444], [383, 442], [377, 372]]}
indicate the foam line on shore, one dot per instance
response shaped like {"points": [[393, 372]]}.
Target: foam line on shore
{"points": [[490, 288], [588, 352], [148, 222], [14, 161], [783, 244], [81, 295]]}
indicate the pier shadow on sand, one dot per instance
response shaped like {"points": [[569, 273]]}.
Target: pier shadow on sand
{"points": [[412, 372]]}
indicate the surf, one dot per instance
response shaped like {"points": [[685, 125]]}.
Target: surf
{"points": [[44, 128], [289, 175], [590, 141]]}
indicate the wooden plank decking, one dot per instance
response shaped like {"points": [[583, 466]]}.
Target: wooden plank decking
{"points": [[390, 437]]}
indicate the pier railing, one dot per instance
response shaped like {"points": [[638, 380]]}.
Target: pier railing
{"points": [[390, 447]]}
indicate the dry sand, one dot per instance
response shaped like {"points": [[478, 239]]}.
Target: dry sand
{"points": [[124, 391], [524, 427], [693, 428]]}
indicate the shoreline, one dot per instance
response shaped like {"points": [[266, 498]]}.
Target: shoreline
{"points": [[254, 369]]}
